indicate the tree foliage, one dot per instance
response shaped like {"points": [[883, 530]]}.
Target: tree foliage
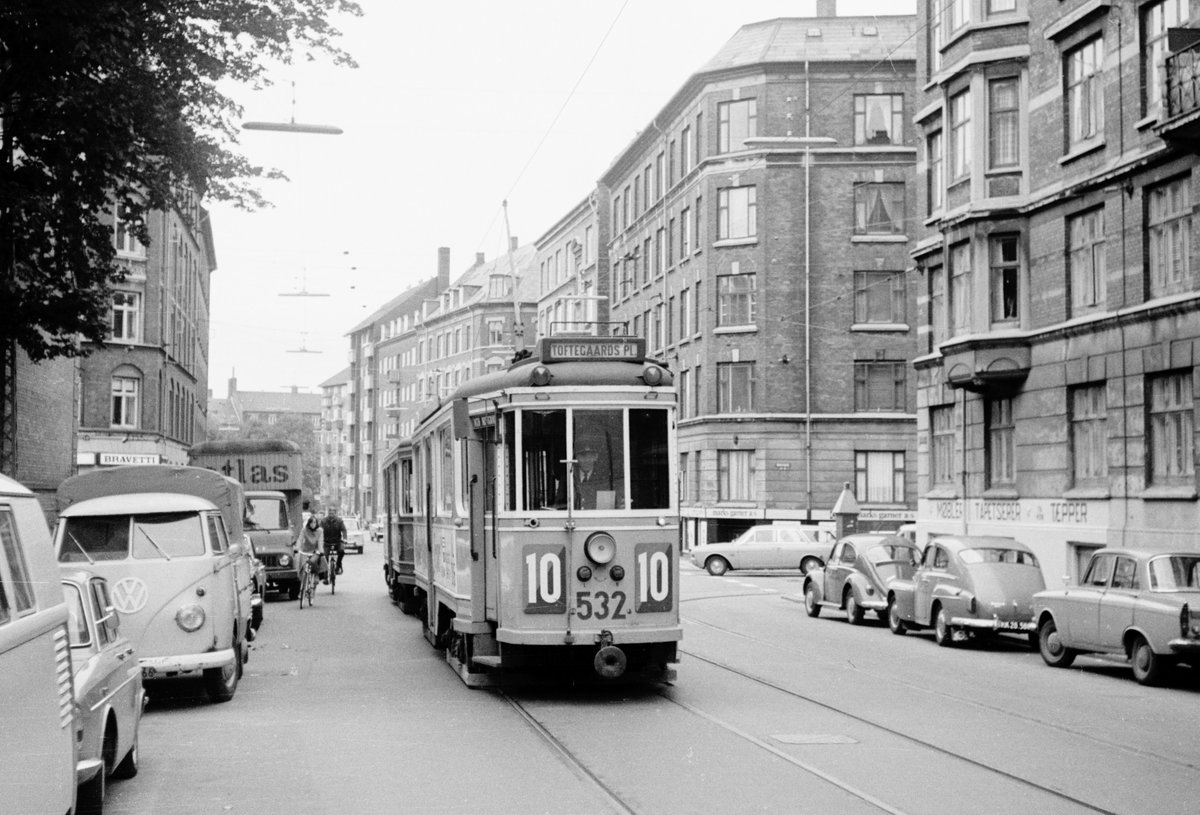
{"points": [[123, 100]]}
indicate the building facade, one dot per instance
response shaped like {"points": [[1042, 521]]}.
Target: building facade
{"points": [[1060, 307], [142, 394], [573, 271], [334, 442], [759, 240]]}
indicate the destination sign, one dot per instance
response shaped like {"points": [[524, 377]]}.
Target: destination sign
{"points": [[593, 348]]}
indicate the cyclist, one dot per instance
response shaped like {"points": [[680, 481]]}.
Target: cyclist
{"points": [[311, 544], [335, 537]]}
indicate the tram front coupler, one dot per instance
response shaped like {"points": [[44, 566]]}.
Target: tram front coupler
{"points": [[610, 661]]}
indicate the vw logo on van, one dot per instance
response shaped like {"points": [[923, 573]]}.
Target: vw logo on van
{"points": [[129, 595]]}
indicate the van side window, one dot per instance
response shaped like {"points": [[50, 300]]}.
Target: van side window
{"points": [[216, 533], [18, 569], [77, 626]]}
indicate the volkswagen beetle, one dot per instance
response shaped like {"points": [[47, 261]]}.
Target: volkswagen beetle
{"points": [[857, 576]]}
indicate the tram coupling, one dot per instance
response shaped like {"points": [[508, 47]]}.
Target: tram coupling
{"points": [[610, 661]]}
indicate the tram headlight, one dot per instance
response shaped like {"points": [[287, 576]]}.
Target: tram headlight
{"points": [[584, 573], [540, 375], [190, 617], [652, 375], [600, 548]]}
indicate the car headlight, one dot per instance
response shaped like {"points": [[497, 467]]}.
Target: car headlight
{"points": [[284, 560], [190, 618], [600, 548]]}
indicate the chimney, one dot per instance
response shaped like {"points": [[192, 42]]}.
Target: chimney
{"points": [[826, 8], [443, 273], [295, 388], [512, 243], [479, 258], [232, 386]]}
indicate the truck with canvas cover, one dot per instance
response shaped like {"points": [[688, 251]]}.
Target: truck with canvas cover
{"points": [[170, 542], [271, 473]]}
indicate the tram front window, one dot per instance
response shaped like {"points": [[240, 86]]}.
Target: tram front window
{"points": [[599, 478]]}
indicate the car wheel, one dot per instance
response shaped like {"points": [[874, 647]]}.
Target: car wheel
{"points": [[810, 563], [221, 683], [1148, 667], [811, 606], [1054, 652], [128, 767], [854, 612], [90, 794], [716, 566], [943, 634], [895, 624]]}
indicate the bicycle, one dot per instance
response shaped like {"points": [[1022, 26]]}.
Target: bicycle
{"points": [[308, 580], [331, 571]]}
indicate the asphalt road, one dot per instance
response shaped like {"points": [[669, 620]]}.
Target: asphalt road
{"points": [[345, 708]]}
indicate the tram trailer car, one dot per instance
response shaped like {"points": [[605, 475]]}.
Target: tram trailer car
{"points": [[545, 516], [398, 573]]}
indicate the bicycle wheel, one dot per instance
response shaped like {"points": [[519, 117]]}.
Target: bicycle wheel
{"points": [[306, 587], [332, 571]]}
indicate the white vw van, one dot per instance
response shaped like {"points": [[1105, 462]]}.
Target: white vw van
{"points": [[37, 724], [169, 541]]}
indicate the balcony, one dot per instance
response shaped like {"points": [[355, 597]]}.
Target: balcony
{"points": [[1181, 114], [368, 415], [993, 366], [395, 376]]}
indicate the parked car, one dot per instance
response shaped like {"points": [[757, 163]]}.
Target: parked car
{"points": [[38, 719], [356, 535], [968, 584], [766, 546], [108, 687], [1134, 603], [857, 576], [376, 528]]}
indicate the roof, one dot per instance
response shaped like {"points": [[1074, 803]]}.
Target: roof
{"points": [[340, 378], [402, 303], [818, 39], [140, 503], [11, 487]]}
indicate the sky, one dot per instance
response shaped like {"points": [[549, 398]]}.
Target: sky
{"points": [[454, 109]]}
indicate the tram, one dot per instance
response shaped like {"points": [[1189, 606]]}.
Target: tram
{"points": [[544, 515], [398, 493]]}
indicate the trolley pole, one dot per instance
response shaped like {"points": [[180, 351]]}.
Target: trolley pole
{"points": [[518, 326]]}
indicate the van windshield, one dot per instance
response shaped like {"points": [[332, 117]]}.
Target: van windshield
{"points": [[160, 536]]}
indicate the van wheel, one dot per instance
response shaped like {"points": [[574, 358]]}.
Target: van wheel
{"points": [[128, 767], [221, 683], [90, 795]]}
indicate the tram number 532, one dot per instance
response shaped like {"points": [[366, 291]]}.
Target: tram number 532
{"points": [[545, 589]]}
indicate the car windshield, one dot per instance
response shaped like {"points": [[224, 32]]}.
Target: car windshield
{"points": [[266, 513], [998, 555], [351, 524], [76, 618], [1175, 573]]}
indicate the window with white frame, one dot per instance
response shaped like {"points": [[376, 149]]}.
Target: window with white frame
{"points": [[736, 299], [735, 475], [685, 381], [735, 387], [737, 213], [939, 312], [879, 297], [879, 118], [936, 36], [1004, 123], [879, 476], [1085, 93], [942, 445], [958, 16], [1089, 434], [1157, 19], [1085, 261], [736, 122], [495, 332], [1171, 430], [879, 385], [125, 401], [685, 233], [123, 238], [995, 7], [879, 208], [685, 314], [1000, 438], [1005, 270], [960, 134], [126, 316], [1169, 235]]}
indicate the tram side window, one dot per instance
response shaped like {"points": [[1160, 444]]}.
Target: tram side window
{"points": [[446, 482], [600, 459], [650, 486], [406, 485], [544, 449]]}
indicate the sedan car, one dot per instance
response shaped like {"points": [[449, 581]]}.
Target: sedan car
{"points": [[968, 584], [766, 546], [860, 569], [108, 688], [1142, 605], [356, 535]]}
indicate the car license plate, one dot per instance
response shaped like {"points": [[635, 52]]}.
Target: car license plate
{"points": [[148, 673], [1012, 625]]}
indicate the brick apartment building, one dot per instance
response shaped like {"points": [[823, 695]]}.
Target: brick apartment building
{"points": [[142, 394], [759, 240], [1057, 249]]}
